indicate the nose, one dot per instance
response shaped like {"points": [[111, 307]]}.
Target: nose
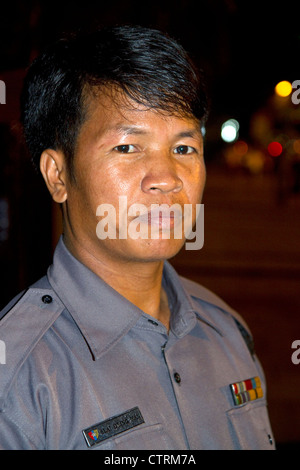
{"points": [[161, 177]]}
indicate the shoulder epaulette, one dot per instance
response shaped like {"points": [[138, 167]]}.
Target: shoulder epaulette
{"points": [[22, 326]]}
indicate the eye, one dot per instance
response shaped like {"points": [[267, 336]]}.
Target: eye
{"points": [[125, 148], [184, 149]]}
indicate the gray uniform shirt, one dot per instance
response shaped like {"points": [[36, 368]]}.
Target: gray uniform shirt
{"points": [[86, 369]]}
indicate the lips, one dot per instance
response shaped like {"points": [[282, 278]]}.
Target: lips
{"points": [[161, 217]]}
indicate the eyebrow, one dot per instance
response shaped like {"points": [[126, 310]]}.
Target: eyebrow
{"points": [[128, 130], [132, 130], [193, 133]]}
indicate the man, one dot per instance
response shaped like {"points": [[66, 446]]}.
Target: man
{"points": [[112, 350]]}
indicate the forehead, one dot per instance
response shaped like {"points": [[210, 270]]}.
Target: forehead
{"points": [[111, 111]]}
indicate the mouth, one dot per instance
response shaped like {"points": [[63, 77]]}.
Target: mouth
{"points": [[161, 217]]}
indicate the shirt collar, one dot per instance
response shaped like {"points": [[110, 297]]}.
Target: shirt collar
{"points": [[185, 300], [102, 314]]}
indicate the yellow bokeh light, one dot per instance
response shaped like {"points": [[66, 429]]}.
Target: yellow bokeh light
{"points": [[296, 145], [283, 88]]}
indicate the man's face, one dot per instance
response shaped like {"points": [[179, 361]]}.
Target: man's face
{"points": [[148, 157]]}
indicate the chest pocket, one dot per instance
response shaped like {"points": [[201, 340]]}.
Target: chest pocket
{"points": [[250, 426]]}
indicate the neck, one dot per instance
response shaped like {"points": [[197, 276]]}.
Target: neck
{"points": [[138, 282]]}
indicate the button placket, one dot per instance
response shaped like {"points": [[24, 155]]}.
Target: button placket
{"points": [[175, 379]]}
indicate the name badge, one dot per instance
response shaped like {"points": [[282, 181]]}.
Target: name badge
{"points": [[112, 426]]}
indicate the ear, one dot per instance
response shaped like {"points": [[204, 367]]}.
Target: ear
{"points": [[53, 169]]}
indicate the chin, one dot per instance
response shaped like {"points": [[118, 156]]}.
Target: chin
{"points": [[157, 250]]}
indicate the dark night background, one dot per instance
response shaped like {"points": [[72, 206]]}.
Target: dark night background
{"points": [[251, 255]]}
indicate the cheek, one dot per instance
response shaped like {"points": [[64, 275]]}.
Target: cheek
{"points": [[84, 194], [106, 186], [195, 184], [202, 181], [120, 180]]}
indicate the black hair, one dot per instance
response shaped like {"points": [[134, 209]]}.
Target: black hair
{"points": [[147, 65]]}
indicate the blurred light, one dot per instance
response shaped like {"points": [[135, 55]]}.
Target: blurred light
{"points": [[283, 88], [240, 148], [296, 146], [255, 161], [229, 130], [275, 149], [232, 158]]}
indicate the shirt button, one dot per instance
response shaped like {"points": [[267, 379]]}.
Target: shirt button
{"points": [[177, 377], [47, 299]]}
